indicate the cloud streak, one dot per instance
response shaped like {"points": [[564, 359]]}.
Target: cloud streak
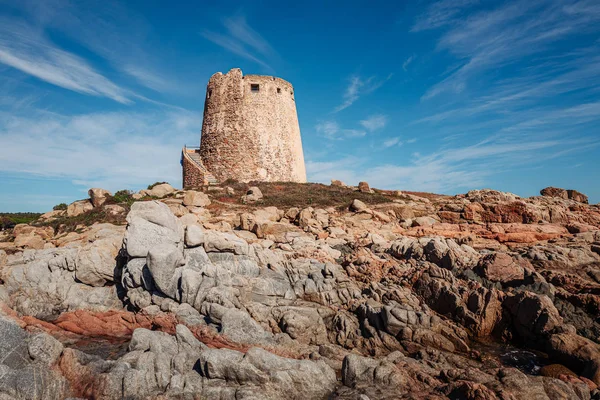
{"points": [[407, 62], [332, 130], [392, 142], [448, 170], [441, 13], [111, 30], [496, 38], [241, 39], [23, 48], [111, 150], [374, 122], [357, 87]]}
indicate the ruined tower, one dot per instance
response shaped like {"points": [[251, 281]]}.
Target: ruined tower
{"points": [[250, 132]]}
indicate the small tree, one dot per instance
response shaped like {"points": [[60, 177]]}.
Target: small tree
{"points": [[60, 207]]}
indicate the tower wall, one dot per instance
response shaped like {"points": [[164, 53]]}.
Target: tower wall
{"points": [[251, 134]]}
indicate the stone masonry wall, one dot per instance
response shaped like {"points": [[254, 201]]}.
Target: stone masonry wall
{"points": [[192, 176], [251, 135]]}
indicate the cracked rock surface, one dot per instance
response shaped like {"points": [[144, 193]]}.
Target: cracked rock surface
{"points": [[478, 296]]}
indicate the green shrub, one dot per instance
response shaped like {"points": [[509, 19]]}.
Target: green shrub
{"points": [[60, 207], [123, 196]]}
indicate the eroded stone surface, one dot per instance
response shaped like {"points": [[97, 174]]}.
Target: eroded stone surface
{"points": [[381, 301]]}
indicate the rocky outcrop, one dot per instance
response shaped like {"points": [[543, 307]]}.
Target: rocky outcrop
{"points": [[150, 224], [195, 199], [27, 365], [159, 191], [501, 267], [79, 207], [437, 297], [564, 194], [98, 196]]}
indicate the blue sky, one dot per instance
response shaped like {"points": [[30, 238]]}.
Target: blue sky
{"points": [[442, 96]]}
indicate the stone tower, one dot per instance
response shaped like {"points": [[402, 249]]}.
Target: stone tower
{"points": [[250, 132]]}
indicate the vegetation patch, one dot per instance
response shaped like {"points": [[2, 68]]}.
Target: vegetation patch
{"points": [[289, 194], [9, 220], [97, 215], [121, 197]]}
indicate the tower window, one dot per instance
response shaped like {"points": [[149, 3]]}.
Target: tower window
{"points": [[208, 94], [254, 87], [278, 90]]}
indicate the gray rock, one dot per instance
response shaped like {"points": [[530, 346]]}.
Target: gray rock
{"points": [[303, 324], [265, 375], [194, 235], [363, 371], [239, 326], [162, 261], [44, 348], [151, 223], [41, 283], [20, 376], [96, 261], [215, 241]]}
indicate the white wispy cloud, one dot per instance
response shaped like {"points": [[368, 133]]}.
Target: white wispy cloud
{"points": [[358, 87], [241, 39], [22, 47], [112, 150], [441, 13], [111, 30], [448, 170], [148, 78], [393, 142], [407, 62], [492, 39], [374, 122], [332, 130]]}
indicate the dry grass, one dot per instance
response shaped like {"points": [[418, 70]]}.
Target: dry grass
{"points": [[287, 194], [97, 215]]}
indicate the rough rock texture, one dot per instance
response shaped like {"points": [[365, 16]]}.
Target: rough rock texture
{"points": [[195, 199], [564, 194], [26, 365], [160, 191], [150, 224], [478, 296], [79, 207], [98, 196], [252, 195]]}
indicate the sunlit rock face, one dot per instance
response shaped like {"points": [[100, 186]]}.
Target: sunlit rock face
{"points": [[359, 294]]}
